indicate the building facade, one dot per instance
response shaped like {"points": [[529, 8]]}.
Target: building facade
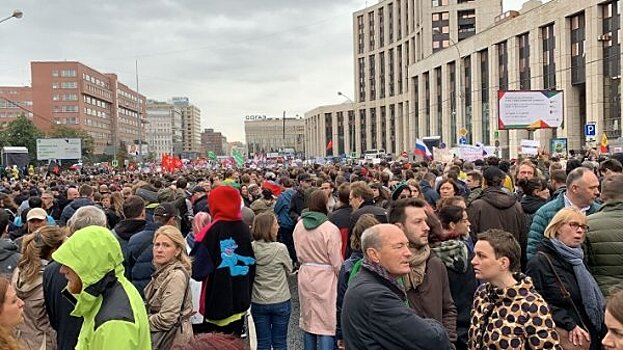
{"points": [[458, 54], [332, 126], [15, 101], [191, 120], [164, 128], [268, 135], [73, 94], [212, 141]]}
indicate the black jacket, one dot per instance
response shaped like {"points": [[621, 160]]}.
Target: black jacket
{"points": [[548, 286], [9, 257], [71, 208], [340, 217], [375, 316], [365, 208], [59, 308], [297, 204], [141, 256], [201, 205], [530, 204], [123, 231]]}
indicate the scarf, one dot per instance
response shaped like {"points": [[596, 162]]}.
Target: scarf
{"points": [[381, 272], [592, 298], [418, 259], [453, 254]]}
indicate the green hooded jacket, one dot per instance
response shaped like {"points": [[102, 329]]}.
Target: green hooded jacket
{"points": [[312, 219], [112, 309]]}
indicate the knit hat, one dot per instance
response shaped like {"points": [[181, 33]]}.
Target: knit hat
{"points": [[398, 190], [493, 176], [225, 203]]}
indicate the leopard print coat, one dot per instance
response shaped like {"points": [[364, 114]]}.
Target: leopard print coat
{"points": [[513, 318]]}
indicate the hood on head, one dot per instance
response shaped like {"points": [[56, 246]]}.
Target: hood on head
{"points": [[225, 203], [7, 248], [91, 253], [498, 198]]}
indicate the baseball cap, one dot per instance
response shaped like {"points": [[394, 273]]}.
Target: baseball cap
{"points": [[166, 210], [36, 213]]}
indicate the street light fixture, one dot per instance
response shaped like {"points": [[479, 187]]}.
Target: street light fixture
{"points": [[352, 127], [16, 14], [459, 64]]}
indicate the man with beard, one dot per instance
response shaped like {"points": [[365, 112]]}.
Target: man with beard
{"points": [[427, 286]]}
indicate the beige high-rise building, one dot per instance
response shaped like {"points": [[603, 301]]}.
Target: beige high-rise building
{"points": [[164, 128], [433, 67], [267, 135], [191, 120]]}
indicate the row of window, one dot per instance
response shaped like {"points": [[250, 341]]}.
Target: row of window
{"points": [[96, 102], [96, 81], [65, 85], [95, 112], [4, 115], [65, 97], [97, 123], [129, 96], [107, 94], [14, 104], [65, 109], [65, 73]]}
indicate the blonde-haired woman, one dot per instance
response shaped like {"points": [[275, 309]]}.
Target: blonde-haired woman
{"points": [[564, 281], [168, 294], [37, 248], [11, 315]]}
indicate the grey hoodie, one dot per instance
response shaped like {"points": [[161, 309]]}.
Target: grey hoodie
{"points": [[273, 265]]}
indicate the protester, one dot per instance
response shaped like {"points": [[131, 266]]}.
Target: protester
{"points": [[318, 248], [167, 295], [581, 192], [561, 277], [270, 299], [134, 222], [614, 322], [85, 198], [604, 241], [507, 310], [58, 306], [11, 315], [27, 280], [341, 214], [114, 316], [375, 314], [427, 286], [224, 262]]}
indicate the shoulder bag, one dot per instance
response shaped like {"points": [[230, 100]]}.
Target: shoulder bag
{"points": [[563, 334], [163, 340]]}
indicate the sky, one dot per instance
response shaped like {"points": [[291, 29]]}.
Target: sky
{"points": [[232, 58]]}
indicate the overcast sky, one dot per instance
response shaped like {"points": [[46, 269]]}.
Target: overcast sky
{"points": [[230, 57]]}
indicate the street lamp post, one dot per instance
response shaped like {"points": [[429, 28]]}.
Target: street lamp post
{"points": [[352, 127], [459, 64], [16, 14]]}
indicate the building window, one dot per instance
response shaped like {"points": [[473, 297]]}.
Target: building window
{"points": [[399, 66], [398, 20], [467, 95], [381, 28], [466, 23], [328, 123], [453, 104], [390, 20], [390, 57], [373, 126], [55, 73], [362, 79], [381, 74], [441, 30], [524, 61], [68, 73], [360, 35], [438, 84], [612, 68], [484, 96], [340, 133], [362, 134], [69, 85], [372, 30], [502, 66], [549, 62], [427, 99], [578, 50], [372, 76], [437, 3]]}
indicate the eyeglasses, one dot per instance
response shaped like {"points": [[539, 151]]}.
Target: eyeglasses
{"points": [[575, 225]]}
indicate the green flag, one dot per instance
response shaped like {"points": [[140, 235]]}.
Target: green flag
{"points": [[238, 157], [211, 155]]}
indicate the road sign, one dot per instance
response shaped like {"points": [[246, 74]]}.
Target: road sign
{"points": [[462, 141], [590, 129], [463, 132], [115, 163], [442, 145]]}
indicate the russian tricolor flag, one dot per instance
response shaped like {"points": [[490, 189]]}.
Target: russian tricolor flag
{"points": [[421, 149]]}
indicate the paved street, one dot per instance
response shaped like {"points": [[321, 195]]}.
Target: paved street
{"points": [[295, 336]]}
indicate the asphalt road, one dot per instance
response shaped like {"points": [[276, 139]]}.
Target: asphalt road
{"points": [[295, 336]]}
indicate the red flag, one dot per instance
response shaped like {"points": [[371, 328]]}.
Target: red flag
{"points": [[330, 145], [177, 163]]}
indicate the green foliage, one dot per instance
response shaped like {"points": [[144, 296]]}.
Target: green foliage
{"points": [[21, 132], [64, 132]]}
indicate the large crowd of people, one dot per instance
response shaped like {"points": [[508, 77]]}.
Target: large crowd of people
{"points": [[491, 254]]}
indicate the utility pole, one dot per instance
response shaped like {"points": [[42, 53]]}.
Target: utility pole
{"points": [[284, 132], [140, 121]]}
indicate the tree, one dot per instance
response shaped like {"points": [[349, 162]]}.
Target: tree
{"points": [[64, 132], [21, 132]]}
